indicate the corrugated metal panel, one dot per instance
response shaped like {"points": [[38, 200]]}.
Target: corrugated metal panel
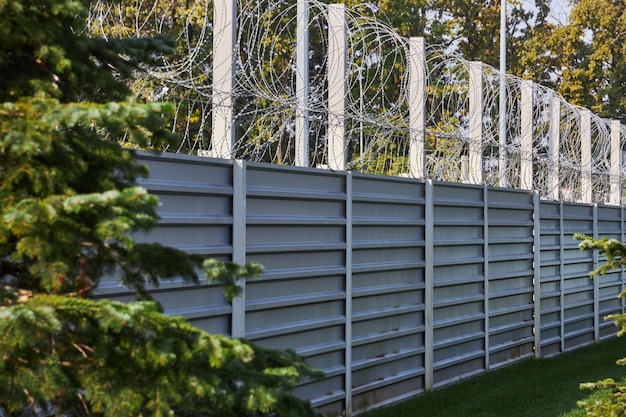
{"points": [[578, 288], [296, 228], [388, 290], [511, 274], [195, 215], [609, 225], [551, 264], [458, 283]]}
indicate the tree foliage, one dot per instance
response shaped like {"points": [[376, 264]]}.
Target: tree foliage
{"points": [[106, 358], [596, 77], [585, 59], [69, 206]]}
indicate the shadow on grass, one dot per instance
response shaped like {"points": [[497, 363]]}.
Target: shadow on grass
{"points": [[531, 388]]}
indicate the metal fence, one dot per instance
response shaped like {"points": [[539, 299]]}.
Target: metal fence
{"points": [[392, 286]]}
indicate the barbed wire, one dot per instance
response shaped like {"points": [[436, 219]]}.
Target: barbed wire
{"points": [[377, 97]]}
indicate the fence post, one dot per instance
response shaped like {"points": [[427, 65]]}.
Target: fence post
{"points": [[553, 148], [585, 156], [239, 245], [302, 84], [537, 271], [616, 163], [526, 151], [349, 294], [224, 41], [476, 122], [562, 275], [337, 86], [596, 281], [486, 290], [622, 274], [429, 230], [417, 107]]}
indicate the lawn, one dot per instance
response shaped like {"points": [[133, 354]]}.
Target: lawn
{"points": [[532, 388]]}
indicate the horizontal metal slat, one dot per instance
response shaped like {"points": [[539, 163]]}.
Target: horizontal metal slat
{"points": [[455, 321], [314, 350], [386, 312], [386, 335], [295, 220], [466, 357], [387, 289], [200, 311], [293, 327], [302, 272], [386, 221], [388, 244], [402, 376], [458, 242], [179, 187], [172, 219], [301, 299], [466, 299], [458, 340], [517, 325], [386, 266], [458, 261], [293, 194], [291, 247], [387, 199], [387, 357]]}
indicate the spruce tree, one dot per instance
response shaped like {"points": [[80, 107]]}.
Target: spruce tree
{"points": [[69, 204], [612, 403]]}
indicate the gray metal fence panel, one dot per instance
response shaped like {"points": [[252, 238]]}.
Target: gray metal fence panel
{"points": [[510, 275], [392, 286], [195, 216], [609, 225], [551, 278], [459, 315], [296, 228], [578, 290], [387, 290]]}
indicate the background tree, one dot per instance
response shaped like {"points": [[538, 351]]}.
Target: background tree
{"points": [[69, 204], [474, 28], [594, 58], [585, 59]]}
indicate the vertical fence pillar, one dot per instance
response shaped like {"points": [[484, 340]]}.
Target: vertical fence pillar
{"points": [[503, 180], [526, 151], [616, 163], [553, 148], [537, 271], [302, 84], [585, 157], [562, 276], [417, 107], [337, 86], [238, 322], [224, 41], [486, 290], [429, 230], [465, 169], [596, 281], [349, 295], [622, 274], [476, 123]]}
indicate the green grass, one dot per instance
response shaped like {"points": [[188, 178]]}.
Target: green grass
{"points": [[532, 388]]}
